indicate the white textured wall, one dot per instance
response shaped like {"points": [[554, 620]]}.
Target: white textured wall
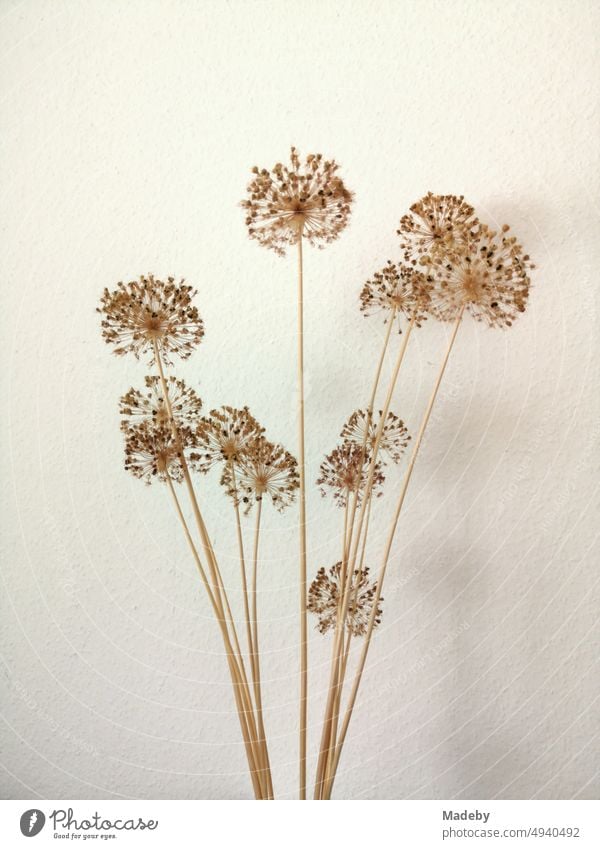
{"points": [[129, 132]]}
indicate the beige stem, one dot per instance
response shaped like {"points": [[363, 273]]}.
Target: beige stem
{"points": [[327, 740], [256, 654], [218, 587], [335, 683], [252, 644], [240, 540], [325, 734], [346, 648], [303, 588], [235, 679], [380, 579]]}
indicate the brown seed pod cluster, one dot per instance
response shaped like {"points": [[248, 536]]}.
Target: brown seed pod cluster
{"points": [[346, 471], [396, 290], [226, 435], [264, 469], [154, 445], [467, 266], [252, 466], [488, 276], [435, 221], [148, 311], [152, 452], [308, 198], [361, 429], [325, 600], [136, 406]]}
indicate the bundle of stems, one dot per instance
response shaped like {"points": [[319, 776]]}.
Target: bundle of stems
{"points": [[167, 439], [355, 538], [451, 265]]}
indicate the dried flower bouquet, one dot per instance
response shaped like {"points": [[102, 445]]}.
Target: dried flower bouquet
{"points": [[450, 264]]}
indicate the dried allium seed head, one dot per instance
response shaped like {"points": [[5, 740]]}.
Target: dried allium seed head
{"points": [[346, 470], [488, 276], [151, 451], [361, 429], [325, 597], [396, 289], [264, 469], [138, 314], [136, 406], [226, 436], [435, 221], [307, 198]]}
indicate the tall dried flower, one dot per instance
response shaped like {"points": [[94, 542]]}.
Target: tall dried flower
{"points": [[146, 311], [435, 221], [308, 198], [325, 595], [396, 288], [488, 275], [151, 451], [226, 436], [361, 429], [264, 469], [136, 406], [345, 471]]}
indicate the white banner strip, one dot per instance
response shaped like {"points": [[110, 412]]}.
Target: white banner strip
{"points": [[365, 824]]}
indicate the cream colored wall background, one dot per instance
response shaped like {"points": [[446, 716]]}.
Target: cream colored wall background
{"points": [[129, 129]]}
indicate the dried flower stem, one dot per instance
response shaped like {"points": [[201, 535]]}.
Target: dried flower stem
{"points": [[326, 742], [335, 683], [388, 547], [252, 637], [240, 540], [234, 671], [303, 579], [256, 654], [218, 587], [346, 649]]}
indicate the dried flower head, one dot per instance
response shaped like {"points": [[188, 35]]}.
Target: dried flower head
{"points": [[435, 221], [138, 314], [361, 429], [264, 469], [325, 598], [396, 289], [346, 470], [488, 276], [152, 452], [307, 198], [136, 406], [226, 436]]}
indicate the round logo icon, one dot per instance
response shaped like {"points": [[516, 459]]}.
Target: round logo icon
{"points": [[32, 822]]}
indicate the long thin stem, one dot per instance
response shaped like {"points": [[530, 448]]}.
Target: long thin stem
{"points": [[235, 679], [218, 588], [256, 654], [251, 634], [218, 585], [346, 648], [335, 683], [388, 547], [240, 540], [327, 733], [303, 588], [373, 463]]}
